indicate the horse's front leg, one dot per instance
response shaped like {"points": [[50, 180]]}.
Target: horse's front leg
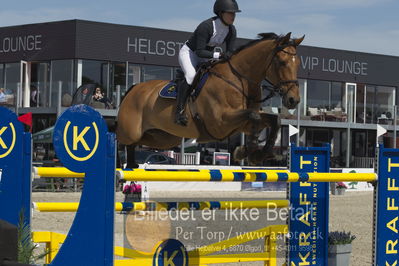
{"points": [[251, 123], [272, 121], [255, 126]]}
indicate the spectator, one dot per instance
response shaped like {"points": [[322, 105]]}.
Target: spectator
{"points": [[3, 98], [33, 96], [100, 97], [207, 159]]}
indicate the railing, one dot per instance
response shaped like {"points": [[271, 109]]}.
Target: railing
{"points": [[363, 162], [189, 158]]}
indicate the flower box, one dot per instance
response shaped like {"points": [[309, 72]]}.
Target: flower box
{"points": [[339, 248], [341, 191], [339, 255]]}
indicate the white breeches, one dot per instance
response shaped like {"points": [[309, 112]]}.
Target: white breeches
{"points": [[188, 61]]}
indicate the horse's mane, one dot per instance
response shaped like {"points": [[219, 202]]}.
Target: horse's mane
{"points": [[261, 37]]}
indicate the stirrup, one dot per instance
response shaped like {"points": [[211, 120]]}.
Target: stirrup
{"points": [[181, 119]]}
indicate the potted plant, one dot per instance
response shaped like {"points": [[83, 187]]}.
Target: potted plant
{"points": [[341, 187], [339, 248]]}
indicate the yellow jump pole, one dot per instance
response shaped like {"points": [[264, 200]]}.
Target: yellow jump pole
{"points": [[62, 172], [215, 175], [73, 206], [157, 206], [242, 176]]}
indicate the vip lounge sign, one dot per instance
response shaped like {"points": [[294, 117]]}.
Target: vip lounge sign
{"points": [[14, 44], [334, 65]]}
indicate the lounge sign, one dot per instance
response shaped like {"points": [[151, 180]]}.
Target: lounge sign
{"points": [[14, 44], [334, 65]]}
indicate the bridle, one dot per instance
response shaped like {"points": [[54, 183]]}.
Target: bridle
{"points": [[274, 88], [278, 87]]}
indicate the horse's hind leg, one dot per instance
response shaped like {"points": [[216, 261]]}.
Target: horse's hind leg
{"points": [[131, 161], [120, 155]]}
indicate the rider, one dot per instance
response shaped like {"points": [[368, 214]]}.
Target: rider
{"points": [[200, 46]]}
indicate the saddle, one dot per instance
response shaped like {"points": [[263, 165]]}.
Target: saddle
{"points": [[169, 91]]}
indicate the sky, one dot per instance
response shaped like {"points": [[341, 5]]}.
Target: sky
{"points": [[370, 26]]}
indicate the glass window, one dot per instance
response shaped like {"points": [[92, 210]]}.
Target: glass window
{"points": [[318, 94], [363, 148], [12, 76], [360, 106], [133, 77], [95, 72], [316, 137], [3, 97], [370, 104], [338, 147], [1, 75], [40, 85], [337, 96], [302, 83], [317, 99], [384, 104], [117, 74], [62, 75], [134, 73], [156, 72]]}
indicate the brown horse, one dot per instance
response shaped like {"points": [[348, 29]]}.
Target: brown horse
{"points": [[228, 103]]}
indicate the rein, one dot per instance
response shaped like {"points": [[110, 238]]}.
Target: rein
{"points": [[273, 89]]}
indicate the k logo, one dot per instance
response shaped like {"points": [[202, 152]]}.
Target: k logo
{"points": [[7, 139], [79, 141]]}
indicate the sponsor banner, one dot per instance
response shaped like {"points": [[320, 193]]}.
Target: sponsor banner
{"points": [[358, 186]]}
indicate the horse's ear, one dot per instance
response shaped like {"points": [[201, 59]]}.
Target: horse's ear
{"points": [[286, 38], [298, 41]]}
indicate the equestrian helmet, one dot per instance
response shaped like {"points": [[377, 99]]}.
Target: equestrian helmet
{"points": [[225, 6]]}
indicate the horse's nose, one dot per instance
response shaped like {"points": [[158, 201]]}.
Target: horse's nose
{"points": [[292, 102]]}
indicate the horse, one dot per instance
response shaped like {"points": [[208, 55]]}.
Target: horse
{"points": [[228, 103]]}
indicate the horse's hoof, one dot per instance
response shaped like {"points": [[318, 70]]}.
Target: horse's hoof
{"points": [[278, 157], [181, 119], [240, 153], [269, 155]]}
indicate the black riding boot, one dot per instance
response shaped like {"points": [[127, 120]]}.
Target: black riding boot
{"points": [[182, 95]]}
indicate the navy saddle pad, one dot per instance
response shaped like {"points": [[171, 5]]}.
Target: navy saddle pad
{"points": [[169, 91]]}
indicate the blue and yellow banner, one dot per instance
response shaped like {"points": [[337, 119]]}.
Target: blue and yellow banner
{"points": [[309, 202], [387, 212]]}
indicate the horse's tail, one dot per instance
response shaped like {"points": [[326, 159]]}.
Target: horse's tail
{"points": [[131, 87], [114, 126]]}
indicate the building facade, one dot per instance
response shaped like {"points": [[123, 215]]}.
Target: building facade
{"points": [[344, 94]]}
